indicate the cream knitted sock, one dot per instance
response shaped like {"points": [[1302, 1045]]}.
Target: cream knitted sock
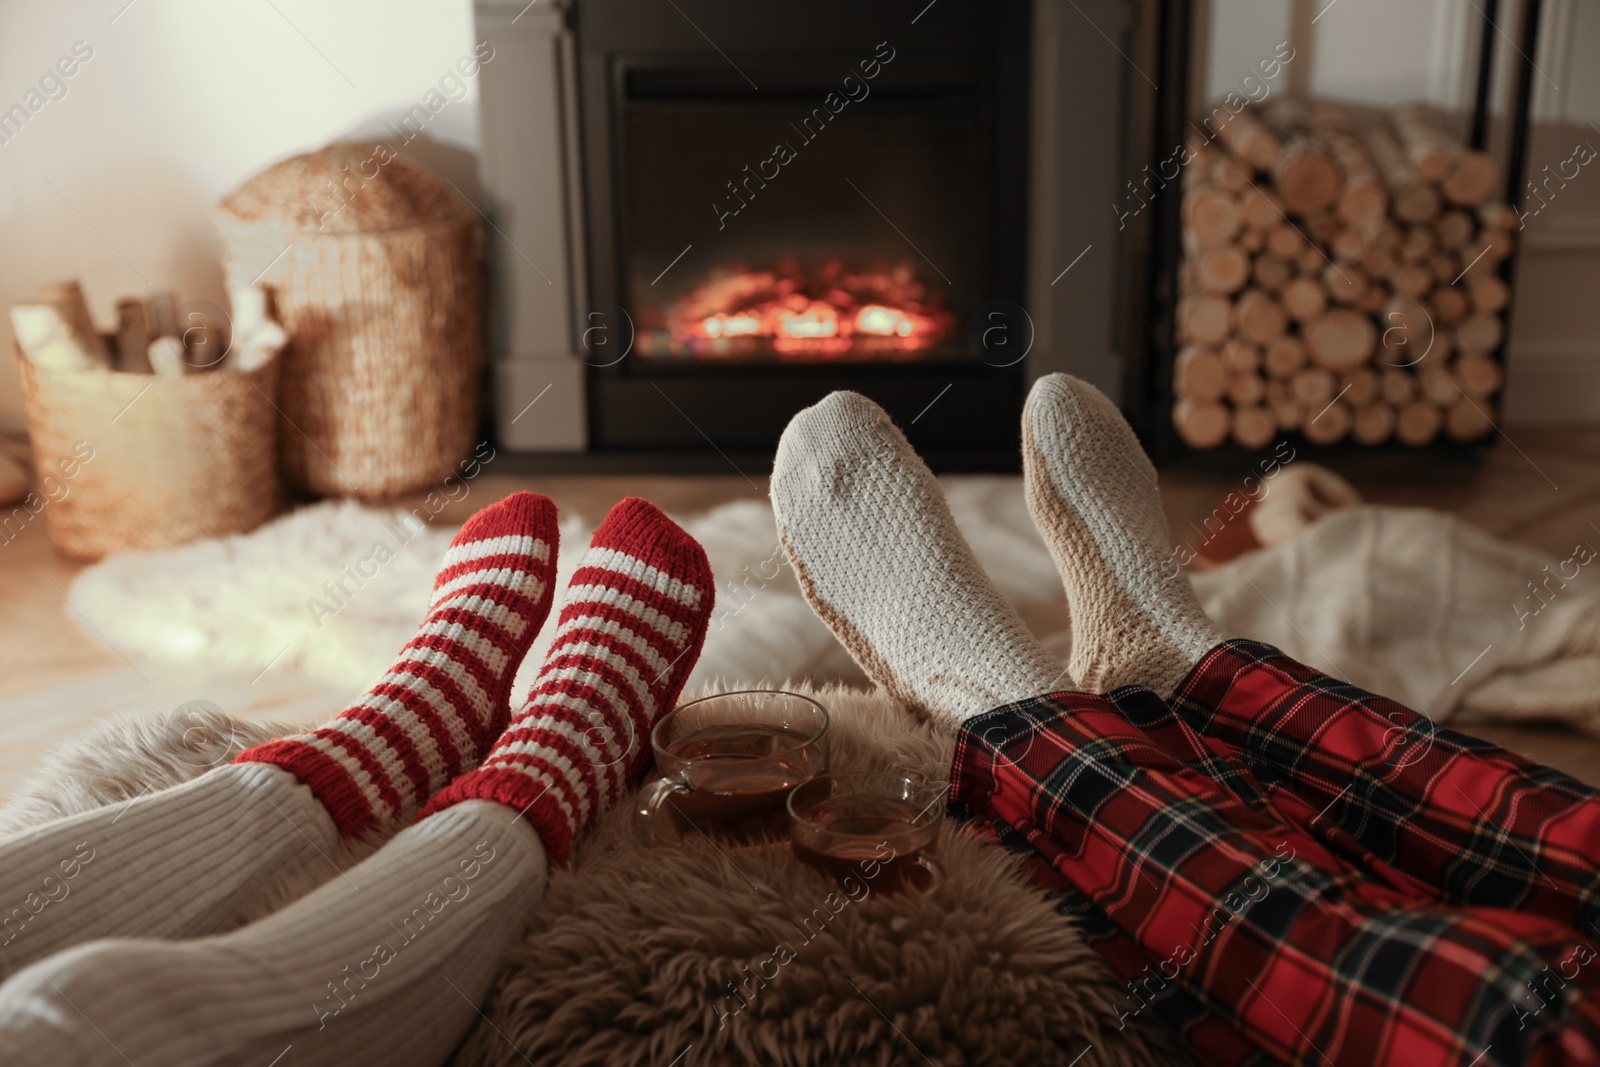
{"points": [[1092, 493], [880, 560], [386, 965]]}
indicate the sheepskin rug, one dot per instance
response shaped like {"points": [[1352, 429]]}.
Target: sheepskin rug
{"points": [[332, 589], [1407, 602], [638, 948]]}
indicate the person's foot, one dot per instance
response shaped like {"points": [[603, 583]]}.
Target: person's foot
{"points": [[447, 697], [629, 633], [1092, 493], [880, 560]]}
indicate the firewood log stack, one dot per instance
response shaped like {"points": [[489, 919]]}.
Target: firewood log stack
{"points": [[56, 333], [1340, 280]]}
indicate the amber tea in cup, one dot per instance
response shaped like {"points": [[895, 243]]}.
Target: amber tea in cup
{"points": [[729, 761], [875, 828]]}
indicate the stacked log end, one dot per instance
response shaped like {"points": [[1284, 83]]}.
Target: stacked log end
{"points": [[1340, 280]]}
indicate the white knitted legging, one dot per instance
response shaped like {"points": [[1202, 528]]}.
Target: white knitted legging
{"points": [[110, 949]]}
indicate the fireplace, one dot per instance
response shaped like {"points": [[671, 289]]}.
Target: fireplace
{"points": [[794, 260], [704, 215], [828, 196]]}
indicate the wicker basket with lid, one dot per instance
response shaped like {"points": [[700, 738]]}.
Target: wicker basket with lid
{"points": [[373, 267]]}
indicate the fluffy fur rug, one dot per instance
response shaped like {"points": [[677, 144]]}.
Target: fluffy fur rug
{"points": [[333, 589], [637, 950]]}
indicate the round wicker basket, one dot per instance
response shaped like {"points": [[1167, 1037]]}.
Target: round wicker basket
{"points": [[131, 461], [373, 266]]}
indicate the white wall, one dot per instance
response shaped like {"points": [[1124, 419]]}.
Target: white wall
{"points": [[1389, 51], [1242, 33], [113, 182], [1385, 53]]}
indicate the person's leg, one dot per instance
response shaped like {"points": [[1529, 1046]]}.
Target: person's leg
{"points": [[389, 963], [880, 560], [329, 979], [1312, 957], [173, 863], [1482, 825], [1293, 945], [181, 861], [862, 519]]}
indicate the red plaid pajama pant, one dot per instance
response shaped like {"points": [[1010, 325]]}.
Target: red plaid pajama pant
{"points": [[1289, 869]]}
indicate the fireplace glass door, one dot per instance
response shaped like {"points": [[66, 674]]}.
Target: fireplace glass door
{"points": [[829, 220]]}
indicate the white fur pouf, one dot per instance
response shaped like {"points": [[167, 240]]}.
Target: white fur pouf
{"points": [[641, 952]]}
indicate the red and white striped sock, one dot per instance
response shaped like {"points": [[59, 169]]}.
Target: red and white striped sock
{"points": [[447, 697], [629, 633]]}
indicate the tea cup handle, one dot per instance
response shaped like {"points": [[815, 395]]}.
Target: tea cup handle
{"points": [[655, 819], [934, 870]]}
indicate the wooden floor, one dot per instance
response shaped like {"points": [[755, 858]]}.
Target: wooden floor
{"points": [[1540, 488]]}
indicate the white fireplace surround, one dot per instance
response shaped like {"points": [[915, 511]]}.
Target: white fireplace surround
{"points": [[534, 186]]}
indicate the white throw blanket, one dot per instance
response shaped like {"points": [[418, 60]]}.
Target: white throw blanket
{"points": [[1410, 603], [1420, 606]]}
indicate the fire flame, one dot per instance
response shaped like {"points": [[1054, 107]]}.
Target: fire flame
{"points": [[829, 313]]}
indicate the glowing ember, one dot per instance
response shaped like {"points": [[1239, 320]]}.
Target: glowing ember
{"points": [[885, 322], [825, 314]]}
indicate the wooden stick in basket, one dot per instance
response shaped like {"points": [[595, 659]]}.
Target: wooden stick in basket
{"points": [[48, 341], [166, 357], [67, 299], [133, 337], [256, 338], [205, 342]]}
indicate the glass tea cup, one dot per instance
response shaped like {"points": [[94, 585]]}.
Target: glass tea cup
{"points": [[874, 827], [728, 763]]}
